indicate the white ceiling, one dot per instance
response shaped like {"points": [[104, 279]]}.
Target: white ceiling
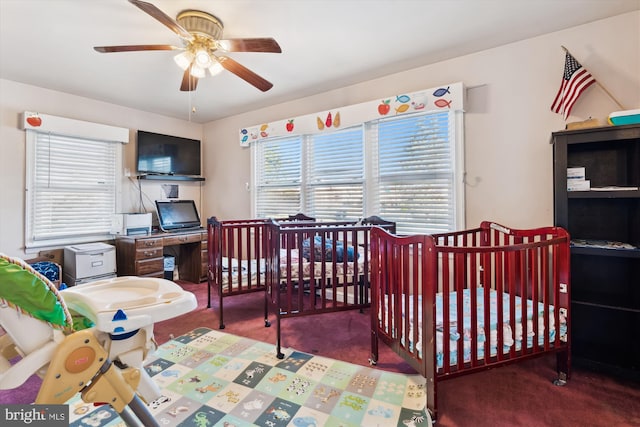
{"points": [[326, 44]]}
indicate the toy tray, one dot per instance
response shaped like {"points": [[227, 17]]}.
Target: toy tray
{"points": [[127, 303]]}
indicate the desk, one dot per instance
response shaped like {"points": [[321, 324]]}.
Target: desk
{"points": [[143, 255]]}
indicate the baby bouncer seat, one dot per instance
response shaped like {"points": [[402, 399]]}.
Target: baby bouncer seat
{"points": [[104, 361]]}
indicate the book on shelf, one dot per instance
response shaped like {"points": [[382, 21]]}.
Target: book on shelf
{"points": [[614, 188], [578, 185], [604, 244], [576, 173]]}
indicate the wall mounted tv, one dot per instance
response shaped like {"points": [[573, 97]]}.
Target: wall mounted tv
{"points": [[167, 155]]}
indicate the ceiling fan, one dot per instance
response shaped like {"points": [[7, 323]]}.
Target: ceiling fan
{"points": [[201, 35]]}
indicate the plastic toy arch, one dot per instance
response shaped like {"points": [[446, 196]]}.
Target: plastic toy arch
{"points": [[30, 292]]}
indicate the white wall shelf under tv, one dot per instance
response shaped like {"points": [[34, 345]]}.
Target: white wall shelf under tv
{"points": [[171, 177]]}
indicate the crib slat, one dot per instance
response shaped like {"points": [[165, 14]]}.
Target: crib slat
{"points": [[488, 269], [458, 286], [499, 288], [533, 280], [446, 305]]}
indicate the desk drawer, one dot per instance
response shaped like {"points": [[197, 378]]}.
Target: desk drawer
{"points": [[150, 266], [182, 238], [148, 253], [149, 243]]}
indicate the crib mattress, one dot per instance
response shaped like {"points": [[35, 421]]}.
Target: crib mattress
{"points": [[510, 337]]}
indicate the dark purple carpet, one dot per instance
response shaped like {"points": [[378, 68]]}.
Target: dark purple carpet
{"points": [[514, 395]]}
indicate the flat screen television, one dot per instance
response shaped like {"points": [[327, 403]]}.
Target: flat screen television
{"points": [[177, 215], [159, 154]]}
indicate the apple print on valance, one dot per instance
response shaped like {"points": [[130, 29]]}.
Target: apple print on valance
{"points": [[446, 97]]}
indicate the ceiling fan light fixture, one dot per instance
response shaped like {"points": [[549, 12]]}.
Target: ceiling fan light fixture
{"points": [[215, 68], [197, 71], [183, 59], [203, 59]]}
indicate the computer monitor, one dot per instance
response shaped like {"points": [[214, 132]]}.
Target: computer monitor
{"points": [[177, 215]]}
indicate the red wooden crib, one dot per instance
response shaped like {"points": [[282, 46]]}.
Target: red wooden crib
{"points": [[318, 267], [429, 294], [237, 251], [303, 266]]}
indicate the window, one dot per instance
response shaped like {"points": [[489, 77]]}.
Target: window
{"points": [[407, 169], [72, 189]]}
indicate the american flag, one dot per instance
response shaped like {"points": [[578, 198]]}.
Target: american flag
{"points": [[575, 80]]}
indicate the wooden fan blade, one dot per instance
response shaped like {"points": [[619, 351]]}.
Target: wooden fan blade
{"points": [[134, 48], [267, 45], [165, 19], [244, 73], [189, 82]]}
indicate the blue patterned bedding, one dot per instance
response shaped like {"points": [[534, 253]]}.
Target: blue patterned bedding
{"points": [[510, 338]]}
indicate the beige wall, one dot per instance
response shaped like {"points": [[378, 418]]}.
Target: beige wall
{"points": [[507, 126], [508, 120]]}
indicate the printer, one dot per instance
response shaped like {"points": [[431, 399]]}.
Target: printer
{"points": [[129, 224]]}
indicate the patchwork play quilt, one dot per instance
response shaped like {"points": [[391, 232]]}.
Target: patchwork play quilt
{"points": [[210, 378]]}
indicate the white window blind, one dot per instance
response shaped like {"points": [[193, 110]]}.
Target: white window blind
{"points": [[405, 169], [72, 188], [416, 172], [279, 167], [335, 175]]}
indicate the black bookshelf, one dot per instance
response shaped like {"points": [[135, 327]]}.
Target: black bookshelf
{"points": [[605, 253]]}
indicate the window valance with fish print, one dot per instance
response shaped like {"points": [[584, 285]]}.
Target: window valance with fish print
{"points": [[445, 97]]}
